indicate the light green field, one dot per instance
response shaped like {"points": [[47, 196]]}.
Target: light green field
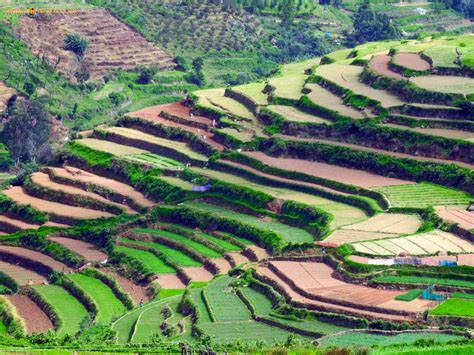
{"points": [[68, 308], [423, 195], [343, 214], [108, 305], [224, 303], [293, 114], [200, 248], [156, 160], [291, 234], [149, 259], [110, 147], [215, 99], [139, 135], [186, 185], [424, 280], [442, 56], [220, 242], [448, 84], [455, 307], [254, 91], [108, 89], [175, 255], [242, 135]]}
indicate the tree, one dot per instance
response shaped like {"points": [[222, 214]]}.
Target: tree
{"points": [[76, 44], [27, 132], [371, 26], [146, 74], [288, 12]]}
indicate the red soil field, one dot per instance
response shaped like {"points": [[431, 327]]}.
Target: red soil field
{"points": [[456, 214], [89, 251], [411, 61], [44, 180], [70, 212], [21, 275], [82, 176], [222, 264], [317, 278], [328, 171], [11, 224], [239, 258], [36, 256], [170, 281], [379, 64], [136, 292], [36, 321], [198, 273], [260, 252]]}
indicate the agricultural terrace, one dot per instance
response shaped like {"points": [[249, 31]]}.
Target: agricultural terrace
{"points": [[455, 307], [253, 91], [411, 61], [289, 233], [449, 84], [441, 132], [215, 99], [110, 147], [293, 114], [21, 275], [420, 244], [457, 214], [155, 160], [422, 195], [148, 259], [29, 313]]}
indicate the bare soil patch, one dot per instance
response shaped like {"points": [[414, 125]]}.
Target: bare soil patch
{"points": [[394, 223], [411, 61], [36, 320], [379, 64], [70, 212], [457, 214], [222, 264], [170, 281], [89, 251], [198, 273], [327, 171], [239, 258], [8, 224], [112, 43], [441, 132], [21, 275], [5, 94], [136, 292], [36, 256]]}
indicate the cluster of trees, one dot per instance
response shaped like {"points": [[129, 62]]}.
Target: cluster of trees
{"points": [[465, 7]]}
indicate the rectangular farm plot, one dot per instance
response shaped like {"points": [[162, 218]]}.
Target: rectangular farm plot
{"points": [[67, 307], [141, 136], [291, 234], [457, 214], [293, 114], [108, 305], [342, 236], [455, 307], [327, 171], [89, 251], [392, 223], [447, 84], [110, 147], [150, 260], [422, 195]]}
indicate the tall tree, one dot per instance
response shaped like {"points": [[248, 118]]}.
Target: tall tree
{"points": [[288, 12]]}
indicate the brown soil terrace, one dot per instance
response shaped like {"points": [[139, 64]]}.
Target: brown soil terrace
{"points": [[89, 251], [222, 264], [86, 177], [328, 171], [198, 273], [35, 256], [379, 64], [457, 214], [36, 321], [136, 292], [171, 281], [21, 275], [411, 61]]}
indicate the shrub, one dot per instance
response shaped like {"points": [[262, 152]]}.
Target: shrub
{"points": [[76, 44]]}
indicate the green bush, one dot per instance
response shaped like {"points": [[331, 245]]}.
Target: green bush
{"points": [[77, 44]]}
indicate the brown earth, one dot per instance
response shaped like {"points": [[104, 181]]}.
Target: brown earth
{"points": [[83, 176], [12, 223], [222, 264], [5, 94], [170, 281], [198, 273], [21, 275], [239, 258], [36, 256], [136, 292], [36, 320], [379, 64], [457, 214], [71, 212], [113, 44], [44, 180], [328, 171], [89, 251], [260, 252], [411, 61]]}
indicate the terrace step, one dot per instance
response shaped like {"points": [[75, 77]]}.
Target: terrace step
{"points": [[36, 321], [223, 265], [8, 253], [138, 293], [11, 225], [198, 274], [89, 251], [170, 281], [21, 275]]}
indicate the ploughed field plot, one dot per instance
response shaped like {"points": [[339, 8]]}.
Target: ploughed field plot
{"points": [[89, 251], [361, 339], [419, 244], [174, 254], [383, 225], [138, 293], [69, 310], [440, 132], [36, 321], [9, 225], [380, 64], [455, 307], [290, 234], [87, 180], [215, 99], [61, 211], [316, 278], [108, 306], [112, 43], [24, 253], [148, 259], [457, 214], [21, 275], [411, 61], [327, 99], [343, 214], [422, 195], [293, 114], [327, 171], [138, 136], [448, 84]]}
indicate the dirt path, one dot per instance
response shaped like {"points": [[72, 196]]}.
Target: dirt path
{"points": [[44, 180], [82, 176], [328, 171], [89, 251], [71, 212], [36, 256], [376, 150], [36, 320]]}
